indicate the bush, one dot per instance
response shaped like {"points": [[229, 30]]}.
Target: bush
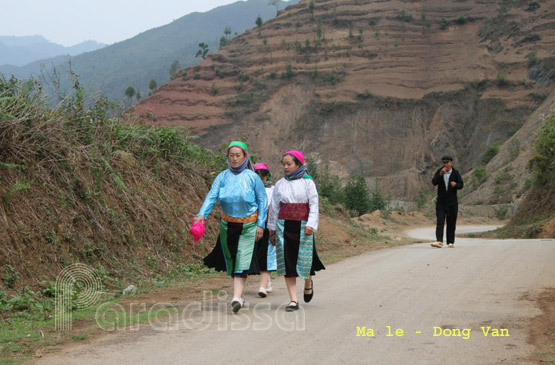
{"points": [[543, 161], [329, 186], [405, 16], [514, 149], [461, 20], [422, 198], [490, 153], [379, 201], [443, 23], [356, 195], [479, 175], [501, 211]]}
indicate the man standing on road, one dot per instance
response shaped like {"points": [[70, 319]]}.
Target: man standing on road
{"points": [[448, 181]]}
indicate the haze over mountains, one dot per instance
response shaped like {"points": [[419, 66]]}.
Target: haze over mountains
{"points": [[149, 55], [20, 51]]}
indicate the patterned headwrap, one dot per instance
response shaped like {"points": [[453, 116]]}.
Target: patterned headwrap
{"points": [[247, 164], [263, 166], [302, 171]]}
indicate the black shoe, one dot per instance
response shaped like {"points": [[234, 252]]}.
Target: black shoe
{"points": [[291, 308], [308, 297]]}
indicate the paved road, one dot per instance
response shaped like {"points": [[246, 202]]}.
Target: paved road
{"points": [[421, 291]]}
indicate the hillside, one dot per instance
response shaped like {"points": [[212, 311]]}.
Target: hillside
{"points": [[378, 88], [20, 51], [149, 55]]}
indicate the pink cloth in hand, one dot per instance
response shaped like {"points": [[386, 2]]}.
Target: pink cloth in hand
{"points": [[197, 230]]}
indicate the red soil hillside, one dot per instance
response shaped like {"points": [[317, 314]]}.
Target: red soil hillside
{"points": [[380, 88]]}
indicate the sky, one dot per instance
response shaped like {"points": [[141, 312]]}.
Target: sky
{"points": [[69, 22]]}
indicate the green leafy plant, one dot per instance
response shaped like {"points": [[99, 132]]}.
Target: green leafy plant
{"points": [[10, 276]]}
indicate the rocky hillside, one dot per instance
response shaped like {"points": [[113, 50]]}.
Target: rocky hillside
{"points": [[378, 88]]}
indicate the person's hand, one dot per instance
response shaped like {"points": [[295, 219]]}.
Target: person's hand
{"points": [[453, 184], [442, 171], [259, 233], [308, 231], [198, 218], [273, 237]]}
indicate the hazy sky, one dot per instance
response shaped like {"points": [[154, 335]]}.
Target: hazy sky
{"points": [[69, 22]]}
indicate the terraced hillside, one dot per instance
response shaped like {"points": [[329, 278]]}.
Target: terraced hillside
{"points": [[378, 88]]}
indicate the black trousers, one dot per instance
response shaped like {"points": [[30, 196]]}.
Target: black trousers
{"points": [[448, 213]]}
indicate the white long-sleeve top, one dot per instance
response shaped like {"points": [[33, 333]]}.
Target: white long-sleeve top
{"points": [[294, 191]]}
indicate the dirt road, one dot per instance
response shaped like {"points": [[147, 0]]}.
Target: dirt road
{"points": [[389, 306]]}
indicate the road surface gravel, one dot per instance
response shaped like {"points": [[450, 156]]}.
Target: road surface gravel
{"points": [[406, 300]]}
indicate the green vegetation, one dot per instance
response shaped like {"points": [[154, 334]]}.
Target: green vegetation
{"points": [[354, 196], [311, 8], [501, 79], [202, 51], [152, 85], [443, 24], [404, 16], [543, 161], [81, 185], [72, 166], [479, 175], [423, 198], [537, 208], [490, 153], [461, 20], [514, 149]]}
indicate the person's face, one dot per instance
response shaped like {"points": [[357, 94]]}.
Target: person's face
{"points": [[264, 178], [288, 164], [447, 165], [236, 156]]}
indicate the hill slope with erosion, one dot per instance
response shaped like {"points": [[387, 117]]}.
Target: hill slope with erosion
{"points": [[378, 88]]}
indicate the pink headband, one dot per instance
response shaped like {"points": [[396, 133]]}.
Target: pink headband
{"points": [[297, 154], [261, 166]]}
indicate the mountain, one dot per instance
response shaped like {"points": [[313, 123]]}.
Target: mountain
{"points": [[20, 51], [149, 55], [376, 88]]}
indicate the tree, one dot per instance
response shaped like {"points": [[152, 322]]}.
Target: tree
{"points": [[276, 4], [173, 69], [152, 85], [356, 195], [130, 92], [203, 50], [227, 31], [379, 201], [138, 94], [329, 186], [311, 8], [258, 21], [223, 42]]}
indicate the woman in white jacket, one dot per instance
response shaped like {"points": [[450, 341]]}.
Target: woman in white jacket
{"points": [[293, 219]]}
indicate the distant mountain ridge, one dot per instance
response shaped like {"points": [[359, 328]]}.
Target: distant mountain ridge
{"points": [[20, 51], [149, 55]]}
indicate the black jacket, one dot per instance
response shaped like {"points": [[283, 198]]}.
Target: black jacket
{"points": [[449, 196]]}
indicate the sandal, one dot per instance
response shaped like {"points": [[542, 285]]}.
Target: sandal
{"points": [[291, 308], [308, 297]]}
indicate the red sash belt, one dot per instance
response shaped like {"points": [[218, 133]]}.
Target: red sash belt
{"points": [[294, 211]]}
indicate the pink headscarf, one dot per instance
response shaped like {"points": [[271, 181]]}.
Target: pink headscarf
{"points": [[297, 154], [261, 166]]}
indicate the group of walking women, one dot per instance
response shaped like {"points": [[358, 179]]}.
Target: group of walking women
{"points": [[264, 227]]}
